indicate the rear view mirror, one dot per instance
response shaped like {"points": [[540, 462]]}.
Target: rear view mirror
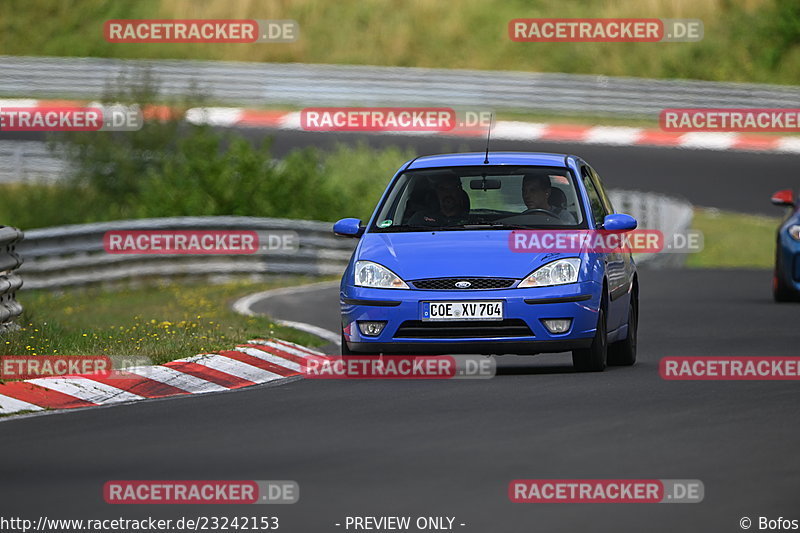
{"points": [[484, 184], [784, 197]]}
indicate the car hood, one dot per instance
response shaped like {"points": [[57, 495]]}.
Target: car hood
{"points": [[473, 253]]}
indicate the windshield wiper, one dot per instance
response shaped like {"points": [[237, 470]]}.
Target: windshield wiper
{"points": [[407, 227], [494, 226]]}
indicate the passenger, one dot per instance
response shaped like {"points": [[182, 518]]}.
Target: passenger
{"points": [[452, 204]]}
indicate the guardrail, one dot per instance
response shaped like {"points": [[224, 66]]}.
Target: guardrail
{"points": [[654, 211], [23, 161], [74, 255], [305, 84], [10, 281]]}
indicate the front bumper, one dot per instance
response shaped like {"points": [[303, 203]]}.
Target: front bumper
{"points": [[521, 331]]}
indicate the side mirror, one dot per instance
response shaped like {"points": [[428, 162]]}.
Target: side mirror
{"points": [[783, 198], [349, 227], [619, 222]]}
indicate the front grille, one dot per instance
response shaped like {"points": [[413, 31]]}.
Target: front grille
{"points": [[417, 329], [449, 284]]}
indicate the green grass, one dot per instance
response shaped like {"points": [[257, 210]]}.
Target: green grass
{"points": [[734, 240], [161, 323], [745, 40], [204, 177]]}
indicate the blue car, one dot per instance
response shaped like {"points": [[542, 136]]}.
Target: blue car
{"points": [[786, 277], [435, 271]]}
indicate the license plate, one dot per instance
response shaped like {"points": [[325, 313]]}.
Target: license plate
{"points": [[489, 310]]}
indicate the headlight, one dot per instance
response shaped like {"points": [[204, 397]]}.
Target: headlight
{"points": [[369, 274], [794, 231], [558, 272]]}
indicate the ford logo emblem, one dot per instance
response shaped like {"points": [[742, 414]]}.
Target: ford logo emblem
{"points": [[463, 284]]}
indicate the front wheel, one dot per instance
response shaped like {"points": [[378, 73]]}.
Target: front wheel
{"points": [[345, 349], [623, 353], [593, 358], [780, 292]]}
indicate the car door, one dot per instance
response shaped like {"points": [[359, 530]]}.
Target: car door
{"points": [[615, 262]]}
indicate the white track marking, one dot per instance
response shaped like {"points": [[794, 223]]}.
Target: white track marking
{"points": [[244, 306], [87, 390], [176, 378], [215, 116], [613, 135], [12, 405], [293, 345], [708, 140], [233, 367], [288, 349], [271, 358]]}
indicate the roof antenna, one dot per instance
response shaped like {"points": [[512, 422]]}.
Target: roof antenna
{"points": [[488, 136]]}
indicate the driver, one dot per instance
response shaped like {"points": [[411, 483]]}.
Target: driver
{"points": [[536, 191]]}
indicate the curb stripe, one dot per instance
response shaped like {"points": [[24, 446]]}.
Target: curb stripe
{"points": [[283, 347], [203, 372], [295, 346], [174, 378], [273, 358], [136, 384], [12, 405], [233, 367], [258, 361], [280, 351], [86, 389], [503, 130], [22, 390], [263, 364]]}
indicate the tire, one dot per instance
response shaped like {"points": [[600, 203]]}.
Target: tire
{"points": [[347, 352], [780, 292], [345, 349], [593, 358], [623, 353]]}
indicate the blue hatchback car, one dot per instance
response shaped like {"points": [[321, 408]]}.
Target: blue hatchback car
{"points": [[434, 271], [786, 277]]}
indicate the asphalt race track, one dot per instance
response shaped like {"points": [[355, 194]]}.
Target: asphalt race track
{"points": [[450, 448]]}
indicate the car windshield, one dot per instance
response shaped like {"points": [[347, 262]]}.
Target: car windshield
{"points": [[478, 198]]}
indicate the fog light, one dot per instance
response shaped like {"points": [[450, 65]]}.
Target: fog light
{"points": [[371, 328], [557, 325]]}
